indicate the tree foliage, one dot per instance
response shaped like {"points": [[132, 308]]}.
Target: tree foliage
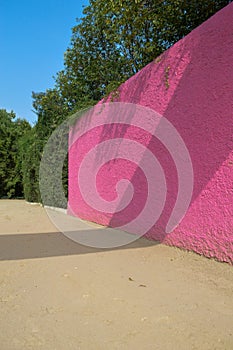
{"points": [[117, 38], [11, 133]]}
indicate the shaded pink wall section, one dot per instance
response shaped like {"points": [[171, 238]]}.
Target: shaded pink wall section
{"points": [[191, 85]]}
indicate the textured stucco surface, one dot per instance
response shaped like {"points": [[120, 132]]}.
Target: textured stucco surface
{"points": [[191, 85]]}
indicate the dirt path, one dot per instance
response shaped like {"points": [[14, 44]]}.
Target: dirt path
{"points": [[58, 295]]}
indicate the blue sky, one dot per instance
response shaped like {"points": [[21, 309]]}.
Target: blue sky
{"points": [[33, 38]]}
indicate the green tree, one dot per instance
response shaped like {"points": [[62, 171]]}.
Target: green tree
{"points": [[30, 152], [11, 132], [117, 38]]}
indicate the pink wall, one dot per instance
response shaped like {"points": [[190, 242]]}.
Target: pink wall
{"points": [[191, 85]]}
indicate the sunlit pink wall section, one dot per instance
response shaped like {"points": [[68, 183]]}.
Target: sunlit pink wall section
{"points": [[191, 85]]}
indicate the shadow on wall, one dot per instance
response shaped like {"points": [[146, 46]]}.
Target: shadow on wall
{"points": [[198, 102]]}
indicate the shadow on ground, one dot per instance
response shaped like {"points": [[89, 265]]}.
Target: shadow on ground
{"points": [[43, 245]]}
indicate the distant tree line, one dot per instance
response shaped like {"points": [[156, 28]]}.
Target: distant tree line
{"points": [[111, 42], [12, 133]]}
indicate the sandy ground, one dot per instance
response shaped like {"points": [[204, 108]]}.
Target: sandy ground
{"points": [[58, 295]]}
